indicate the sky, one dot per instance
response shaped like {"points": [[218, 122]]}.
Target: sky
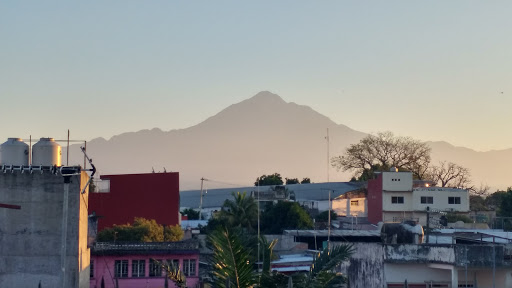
{"points": [[431, 70]]}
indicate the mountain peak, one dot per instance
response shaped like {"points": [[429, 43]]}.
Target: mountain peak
{"points": [[266, 96]]}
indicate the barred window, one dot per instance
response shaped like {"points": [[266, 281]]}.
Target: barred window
{"points": [[155, 268], [189, 267], [397, 200], [427, 200], [138, 268], [121, 269]]}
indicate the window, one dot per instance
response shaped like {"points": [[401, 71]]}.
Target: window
{"points": [[138, 268], [397, 200], [354, 203], [155, 270], [173, 262], [91, 269], [453, 200], [121, 269], [427, 200], [189, 267]]}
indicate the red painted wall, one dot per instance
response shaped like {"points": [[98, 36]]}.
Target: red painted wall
{"points": [[375, 200], [151, 196]]}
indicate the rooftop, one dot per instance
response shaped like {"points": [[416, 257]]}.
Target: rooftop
{"points": [[130, 248]]}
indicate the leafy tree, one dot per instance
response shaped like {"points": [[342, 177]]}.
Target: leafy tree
{"points": [[292, 181], [232, 262], [383, 151], [155, 231], [242, 211], [142, 230], [274, 179], [454, 217], [477, 203], [190, 213], [285, 215], [506, 204], [493, 201], [305, 181], [324, 216], [173, 233]]}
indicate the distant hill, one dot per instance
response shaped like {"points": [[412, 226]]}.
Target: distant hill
{"points": [[260, 135]]}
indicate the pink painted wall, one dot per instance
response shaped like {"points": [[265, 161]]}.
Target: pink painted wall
{"points": [[104, 268]]}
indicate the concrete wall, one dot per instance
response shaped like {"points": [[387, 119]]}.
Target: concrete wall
{"points": [[366, 266], [440, 196], [397, 181], [387, 204], [31, 238], [350, 207]]}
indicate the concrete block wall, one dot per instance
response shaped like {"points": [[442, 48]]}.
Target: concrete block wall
{"points": [[31, 238]]}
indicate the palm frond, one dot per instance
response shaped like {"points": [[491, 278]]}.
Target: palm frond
{"points": [[230, 260]]}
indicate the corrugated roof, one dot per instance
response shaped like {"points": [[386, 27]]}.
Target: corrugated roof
{"points": [[303, 192]]}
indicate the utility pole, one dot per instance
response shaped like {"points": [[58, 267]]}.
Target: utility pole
{"points": [[329, 224], [201, 200], [258, 191], [327, 138]]}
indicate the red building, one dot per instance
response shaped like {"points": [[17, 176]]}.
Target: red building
{"points": [[151, 196], [375, 200]]}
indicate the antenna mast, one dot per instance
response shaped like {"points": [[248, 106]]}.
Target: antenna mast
{"points": [[201, 198], [327, 138]]}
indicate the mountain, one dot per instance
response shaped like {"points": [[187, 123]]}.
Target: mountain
{"points": [[260, 135]]}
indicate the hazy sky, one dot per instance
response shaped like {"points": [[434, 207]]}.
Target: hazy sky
{"points": [[433, 70]]}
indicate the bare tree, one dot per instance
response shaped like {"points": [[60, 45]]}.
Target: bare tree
{"points": [[383, 151], [448, 174]]}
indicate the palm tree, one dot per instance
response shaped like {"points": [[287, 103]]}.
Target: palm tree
{"points": [[321, 273], [231, 260], [173, 273], [242, 211]]}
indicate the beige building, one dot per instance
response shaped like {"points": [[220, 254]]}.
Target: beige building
{"points": [[392, 198]]}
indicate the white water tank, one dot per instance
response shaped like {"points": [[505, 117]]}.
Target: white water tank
{"points": [[46, 152], [14, 152]]}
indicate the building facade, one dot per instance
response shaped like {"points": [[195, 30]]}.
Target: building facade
{"points": [[44, 241], [392, 198], [121, 202], [133, 265]]}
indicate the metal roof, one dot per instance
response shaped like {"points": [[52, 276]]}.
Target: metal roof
{"points": [[334, 233], [213, 198]]}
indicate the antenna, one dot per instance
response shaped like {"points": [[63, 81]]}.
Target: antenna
{"points": [[93, 169], [201, 197], [327, 138]]}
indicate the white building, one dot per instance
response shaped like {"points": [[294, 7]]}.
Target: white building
{"points": [[392, 198]]}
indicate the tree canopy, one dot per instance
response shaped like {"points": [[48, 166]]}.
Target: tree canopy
{"points": [[448, 174], [383, 151], [190, 213], [241, 212], [142, 230], [274, 179], [285, 215], [292, 181]]}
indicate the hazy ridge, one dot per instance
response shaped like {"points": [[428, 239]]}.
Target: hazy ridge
{"points": [[260, 135]]}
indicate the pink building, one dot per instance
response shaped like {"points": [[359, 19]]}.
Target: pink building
{"points": [[132, 265]]}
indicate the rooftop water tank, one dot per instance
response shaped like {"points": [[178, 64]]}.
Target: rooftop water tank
{"points": [[14, 152], [46, 152]]}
